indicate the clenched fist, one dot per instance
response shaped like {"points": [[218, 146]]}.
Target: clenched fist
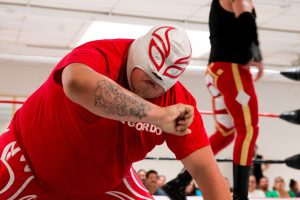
{"points": [[176, 119]]}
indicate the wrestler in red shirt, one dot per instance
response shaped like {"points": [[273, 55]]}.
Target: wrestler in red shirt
{"points": [[105, 106]]}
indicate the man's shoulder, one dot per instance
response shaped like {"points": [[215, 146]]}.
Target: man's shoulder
{"points": [[111, 41], [176, 94]]}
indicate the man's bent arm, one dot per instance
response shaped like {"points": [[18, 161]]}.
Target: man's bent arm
{"points": [[202, 165], [104, 97]]}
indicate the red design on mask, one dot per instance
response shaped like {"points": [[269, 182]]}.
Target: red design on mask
{"points": [[164, 50]]}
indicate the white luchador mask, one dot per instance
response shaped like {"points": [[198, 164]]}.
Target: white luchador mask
{"points": [[163, 53]]}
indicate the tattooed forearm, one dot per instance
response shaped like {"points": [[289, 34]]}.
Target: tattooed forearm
{"points": [[112, 100]]}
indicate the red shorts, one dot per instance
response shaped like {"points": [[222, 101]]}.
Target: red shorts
{"points": [[17, 181]]}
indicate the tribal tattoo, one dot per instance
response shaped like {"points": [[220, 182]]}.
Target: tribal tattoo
{"points": [[112, 100]]}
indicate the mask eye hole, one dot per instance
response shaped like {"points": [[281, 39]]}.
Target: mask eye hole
{"points": [[173, 71], [157, 76]]}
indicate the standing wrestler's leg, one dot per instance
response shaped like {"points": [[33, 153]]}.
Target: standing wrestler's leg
{"points": [[224, 133], [130, 188], [241, 102]]}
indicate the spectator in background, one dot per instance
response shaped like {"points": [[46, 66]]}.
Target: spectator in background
{"points": [[228, 183], [198, 191], [252, 191], [264, 184], [161, 180], [258, 168], [142, 175], [294, 188], [190, 190], [279, 189], [152, 183]]}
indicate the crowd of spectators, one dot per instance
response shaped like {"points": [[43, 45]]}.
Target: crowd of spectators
{"points": [[261, 188]]}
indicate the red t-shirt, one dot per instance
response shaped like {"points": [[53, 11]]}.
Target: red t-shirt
{"points": [[75, 152]]}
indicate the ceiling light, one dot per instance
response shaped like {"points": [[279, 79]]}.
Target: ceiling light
{"points": [[109, 30]]}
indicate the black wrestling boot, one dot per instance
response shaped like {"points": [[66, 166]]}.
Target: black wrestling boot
{"points": [[175, 189], [240, 182]]}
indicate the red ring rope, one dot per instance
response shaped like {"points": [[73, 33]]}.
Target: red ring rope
{"points": [[201, 111]]}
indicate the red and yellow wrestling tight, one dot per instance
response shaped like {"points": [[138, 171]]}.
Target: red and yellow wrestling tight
{"points": [[17, 181], [235, 109]]}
